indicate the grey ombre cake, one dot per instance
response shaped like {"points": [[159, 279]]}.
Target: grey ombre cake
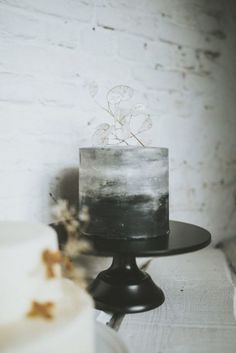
{"points": [[125, 190]]}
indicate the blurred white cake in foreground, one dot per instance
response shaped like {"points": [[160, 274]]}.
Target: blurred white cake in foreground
{"points": [[29, 286]]}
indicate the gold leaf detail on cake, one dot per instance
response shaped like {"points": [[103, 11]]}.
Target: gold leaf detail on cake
{"points": [[50, 259], [43, 310]]}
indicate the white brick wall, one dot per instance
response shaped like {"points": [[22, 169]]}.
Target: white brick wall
{"points": [[179, 55]]}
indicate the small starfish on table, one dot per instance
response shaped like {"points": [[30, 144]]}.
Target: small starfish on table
{"points": [[41, 309], [50, 259]]}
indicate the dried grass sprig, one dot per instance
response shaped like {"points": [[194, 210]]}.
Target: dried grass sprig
{"points": [[75, 244]]}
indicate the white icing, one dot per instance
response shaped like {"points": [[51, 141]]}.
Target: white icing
{"points": [[23, 279], [70, 331], [22, 272]]}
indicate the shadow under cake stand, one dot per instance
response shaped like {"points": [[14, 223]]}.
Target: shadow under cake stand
{"points": [[123, 287]]}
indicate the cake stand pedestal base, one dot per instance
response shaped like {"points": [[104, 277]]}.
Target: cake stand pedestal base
{"points": [[125, 288]]}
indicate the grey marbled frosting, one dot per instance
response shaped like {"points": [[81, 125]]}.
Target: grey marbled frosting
{"points": [[126, 191]]}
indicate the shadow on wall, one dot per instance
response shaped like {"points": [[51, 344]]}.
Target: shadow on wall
{"points": [[66, 186]]}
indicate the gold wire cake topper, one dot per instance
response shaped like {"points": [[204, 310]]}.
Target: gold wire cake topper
{"points": [[122, 129]]}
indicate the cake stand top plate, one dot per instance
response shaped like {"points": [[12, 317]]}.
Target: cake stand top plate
{"points": [[182, 238]]}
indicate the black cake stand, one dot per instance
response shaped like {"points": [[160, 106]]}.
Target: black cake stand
{"points": [[123, 287]]}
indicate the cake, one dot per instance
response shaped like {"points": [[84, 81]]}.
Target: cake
{"points": [[40, 310], [126, 191]]}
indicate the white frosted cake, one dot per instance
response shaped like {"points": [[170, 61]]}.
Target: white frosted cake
{"points": [[40, 312], [126, 191]]}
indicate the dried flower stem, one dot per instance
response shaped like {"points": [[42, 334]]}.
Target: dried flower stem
{"points": [[115, 97], [74, 246], [52, 197], [136, 138]]}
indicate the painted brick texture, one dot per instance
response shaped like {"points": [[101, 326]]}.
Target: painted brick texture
{"points": [[179, 56]]}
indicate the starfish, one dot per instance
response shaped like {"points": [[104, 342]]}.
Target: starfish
{"points": [[43, 310]]}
